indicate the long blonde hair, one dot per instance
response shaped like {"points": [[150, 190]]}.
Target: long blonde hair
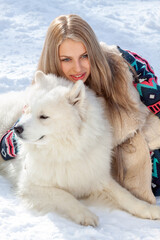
{"points": [[107, 76]]}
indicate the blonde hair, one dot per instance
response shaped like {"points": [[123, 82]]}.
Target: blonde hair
{"points": [[107, 76]]}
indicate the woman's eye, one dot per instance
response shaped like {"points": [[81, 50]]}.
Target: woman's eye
{"points": [[65, 60], [43, 117], [85, 56]]}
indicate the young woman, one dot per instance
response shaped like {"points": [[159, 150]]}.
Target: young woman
{"points": [[71, 50]]}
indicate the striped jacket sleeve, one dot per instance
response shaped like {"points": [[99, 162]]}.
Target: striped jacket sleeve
{"points": [[147, 85]]}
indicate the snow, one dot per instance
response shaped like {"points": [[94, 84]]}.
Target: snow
{"points": [[133, 25]]}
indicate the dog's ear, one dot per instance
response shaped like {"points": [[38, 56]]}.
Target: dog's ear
{"points": [[76, 97], [39, 77], [77, 93]]}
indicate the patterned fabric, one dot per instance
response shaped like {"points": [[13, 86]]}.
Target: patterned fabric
{"points": [[149, 92], [155, 155], [8, 145]]}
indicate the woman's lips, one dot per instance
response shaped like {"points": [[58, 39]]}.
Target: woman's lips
{"points": [[78, 76]]}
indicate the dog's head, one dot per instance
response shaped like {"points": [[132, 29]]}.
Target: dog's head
{"points": [[54, 109]]}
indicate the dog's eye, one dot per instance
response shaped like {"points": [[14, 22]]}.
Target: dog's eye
{"points": [[43, 117]]}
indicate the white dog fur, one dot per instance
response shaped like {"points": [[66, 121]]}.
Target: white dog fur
{"points": [[65, 154]]}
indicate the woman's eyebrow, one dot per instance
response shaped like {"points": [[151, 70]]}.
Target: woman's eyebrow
{"points": [[64, 56], [84, 53], [70, 56]]}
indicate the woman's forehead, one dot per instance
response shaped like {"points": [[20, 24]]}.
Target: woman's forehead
{"points": [[69, 46]]}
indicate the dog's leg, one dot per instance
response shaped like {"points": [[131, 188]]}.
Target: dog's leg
{"points": [[123, 199], [137, 168], [50, 199], [151, 131]]}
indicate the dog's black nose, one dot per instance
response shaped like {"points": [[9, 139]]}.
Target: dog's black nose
{"points": [[18, 130]]}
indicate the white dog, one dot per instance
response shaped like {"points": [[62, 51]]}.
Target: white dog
{"points": [[65, 153]]}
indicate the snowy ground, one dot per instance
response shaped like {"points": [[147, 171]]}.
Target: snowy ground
{"points": [[133, 25]]}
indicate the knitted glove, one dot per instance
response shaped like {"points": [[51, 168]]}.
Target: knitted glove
{"points": [[8, 145]]}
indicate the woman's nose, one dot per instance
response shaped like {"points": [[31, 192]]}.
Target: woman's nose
{"points": [[77, 66]]}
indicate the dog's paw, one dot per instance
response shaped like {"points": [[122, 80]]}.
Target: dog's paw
{"points": [[155, 212], [86, 218], [149, 211]]}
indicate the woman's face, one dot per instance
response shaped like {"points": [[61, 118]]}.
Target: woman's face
{"points": [[74, 60]]}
